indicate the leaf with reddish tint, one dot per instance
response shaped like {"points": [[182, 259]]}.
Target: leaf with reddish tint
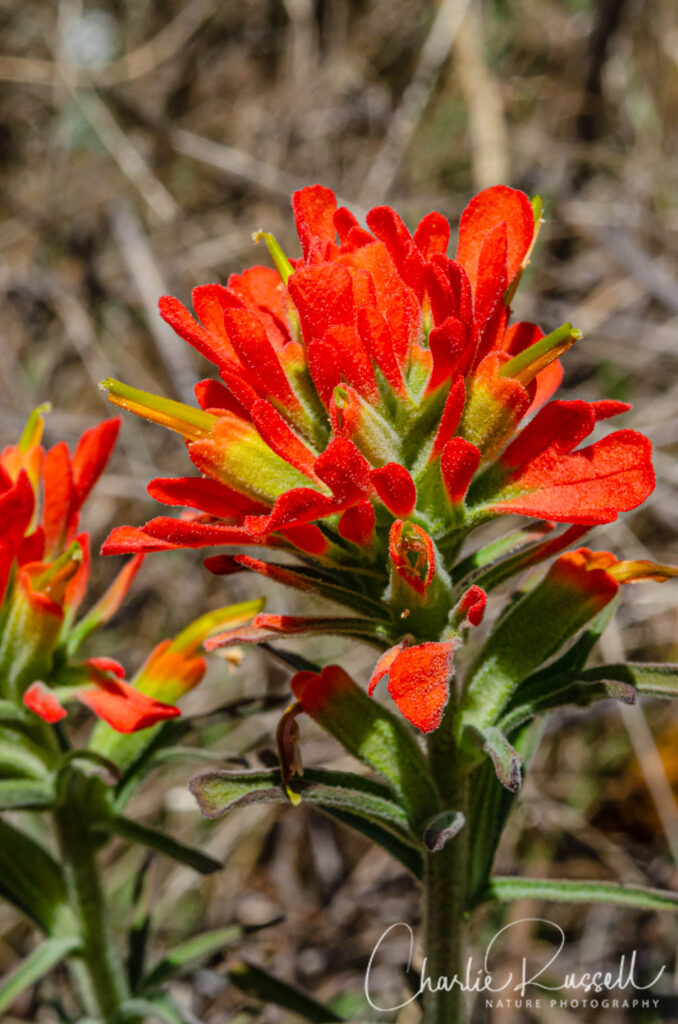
{"points": [[534, 630], [432, 235], [214, 346], [458, 463], [356, 524], [277, 627], [419, 680], [41, 700], [314, 209], [591, 485], [91, 455], [123, 706], [395, 487], [486, 211], [370, 733], [203, 493]]}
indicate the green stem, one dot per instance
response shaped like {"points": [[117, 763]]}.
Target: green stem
{"points": [[98, 972], [445, 887]]}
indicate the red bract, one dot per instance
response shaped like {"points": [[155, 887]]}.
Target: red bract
{"points": [[44, 572], [367, 415]]}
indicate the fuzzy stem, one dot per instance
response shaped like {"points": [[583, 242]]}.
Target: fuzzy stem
{"points": [[445, 887], [98, 972]]}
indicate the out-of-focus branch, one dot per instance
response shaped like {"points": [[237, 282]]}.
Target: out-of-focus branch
{"points": [[404, 122], [148, 281], [484, 105], [163, 45]]}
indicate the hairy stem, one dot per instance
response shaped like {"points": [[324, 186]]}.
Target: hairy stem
{"points": [[445, 889], [98, 972]]}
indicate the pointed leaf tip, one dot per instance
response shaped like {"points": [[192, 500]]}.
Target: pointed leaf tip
{"points": [[442, 828], [505, 758]]}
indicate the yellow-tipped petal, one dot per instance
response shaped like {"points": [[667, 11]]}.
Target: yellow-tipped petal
{"points": [[193, 424], [190, 639], [527, 364]]}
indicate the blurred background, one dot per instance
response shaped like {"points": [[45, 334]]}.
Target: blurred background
{"points": [[141, 145]]}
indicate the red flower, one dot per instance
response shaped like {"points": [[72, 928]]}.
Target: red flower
{"points": [[44, 571], [366, 414]]}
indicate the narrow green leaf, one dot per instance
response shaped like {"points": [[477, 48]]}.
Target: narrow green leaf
{"points": [[297, 662], [655, 679], [381, 740], [36, 965], [21, 757], [156, 840], [576, 656], [31, 879], [362, 804], [533, 631], [256, 982], [158, 1008], [25, 795], [581, 693], [489, 806], [569, 891], [138, 935], [442, 828], [187, 954], [505, 758], [494, 552], [221, 791], [314, 581], [10, 714]]}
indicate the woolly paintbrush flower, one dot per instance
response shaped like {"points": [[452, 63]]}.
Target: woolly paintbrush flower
{"points": [[368, 416], [44, 572]]}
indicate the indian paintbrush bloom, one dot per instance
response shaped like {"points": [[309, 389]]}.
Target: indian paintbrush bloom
{"points": [[374, 405], [44, 571]]}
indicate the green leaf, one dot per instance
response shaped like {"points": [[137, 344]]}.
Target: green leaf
{"points": [[505, 758], [375, 736], [139, 931], [489, 806], [31, 879], [533, 630], [221, 791], [315, 581], [655, 679], [25, 795], [10, 714], [528, 701], [568, 891], [496, 549], [184, 956], [362, 804], [156, 840], [159, 1008], [575, 657], [35, 966], [22, 756], [442, 828], [256, 982]]}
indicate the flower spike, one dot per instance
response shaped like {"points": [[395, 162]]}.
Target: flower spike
{"points": [[375, 404]]}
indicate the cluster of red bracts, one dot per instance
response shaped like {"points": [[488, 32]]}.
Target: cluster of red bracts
{"points": [[366, 416], [44, 571]]}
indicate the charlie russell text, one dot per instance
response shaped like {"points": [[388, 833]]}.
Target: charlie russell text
{"points": [[620, 978]]}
